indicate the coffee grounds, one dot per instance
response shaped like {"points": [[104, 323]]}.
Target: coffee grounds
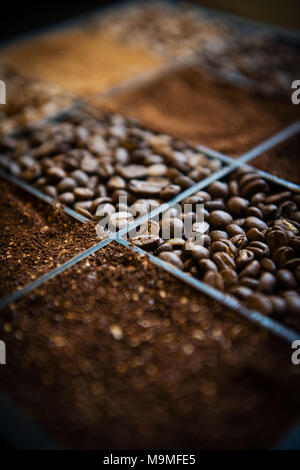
{"points": [[124, 355], [190, 105], [35, 238], [283, 160], [85, 61]]}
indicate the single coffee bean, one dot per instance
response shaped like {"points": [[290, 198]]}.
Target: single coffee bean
{"points": [[240, 241], [258, 199], [293, 304], [286, 279], [164, 247], [83, 193], [268, 265], [66, 198], [157, 169], [254, 212], [216, 235], [249, 282], [292, 265], [98, 201], [279, 305], [234, 188], [267, 283], [200, 252], [218, 189], [230, 278], [176, 243], [169, 192], [171, 258], [144, 188], [279, 197], [146, 242], [282, 255], [294, 243], [254, 222], [80, 177], [234, 229], [204, 195], [217, 204], [118, 220], [254, 234], [83, 205], [220, 219], [223, 260], [237, 206], [50, 191], [259, 302], [275, 238], [241, 292], [243, 258], [56, 174], [133, 171], [260, 249], [269, 211], [84, 212], [89, 164], [255, 186], [184, 181], [224, 245], [214, 279], [66, 185], [116, 182], [251, 270], [206, 265]]}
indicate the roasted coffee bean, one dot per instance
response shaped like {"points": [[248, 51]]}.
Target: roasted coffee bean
{"points": [[292, 265], [50, 191], [217, 204], [237, 206], [254, 222], [200, 252], [164, 247], [218, 189], [230, 278], [32, 173], [119, 220], [223, 260], [282, 255], [234, 229], [293, 304], [240, 222], [286, 279], [104, 210], [157, 169], [267, 283], [249, 282], [224, 245], [254, 212], [233, 188], [279, 305], [268, 265], [133, 171], [56, 173], [278, 198], [216, 235], [200, 227], [89, 164], [294, 243], [122, 197], [80, 177], [204, 195], [214, 279], [144, 188], [243, 258], [66, 198], [171, 258], [146, 242], [241, 292], [220, 219], [83, 193], [240, 241], [176, 243], [98, 201], [254, 234], [84, 212], [116, 182], [269, 211], [286, 209], [258, 199], [83, 205], [66, 185], [169, 192], [184, 181], [171, 227], [260, 249], [206, 265], [251, 270], [259, 302], [255, 186]]}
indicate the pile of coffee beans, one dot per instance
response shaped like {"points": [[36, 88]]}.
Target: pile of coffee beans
{"points": [[103, 165], [29, 99], [248, 243]]}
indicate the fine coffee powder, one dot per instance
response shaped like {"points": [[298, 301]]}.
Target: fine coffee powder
{"points": [[35, 238], [116, 353], [283, 160], [191, 105], [85, 61]]}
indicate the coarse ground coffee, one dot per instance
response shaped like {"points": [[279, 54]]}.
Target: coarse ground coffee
{"points": [[35, 238], [193, 106], [85, 61], [283, 160], [123, 355]]}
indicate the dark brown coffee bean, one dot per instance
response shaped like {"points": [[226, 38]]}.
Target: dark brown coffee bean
{"points": [[66, 185], [83, 193], [204, 195], [144, 188], [282, 255], [268, 265], [234, 188], [240, 241], [104, 210], [119, 220], [260, 249], [216, 235], [279, 305], [89, 164], [199, 252], [267, 283], [105, 171], [171, 258], [237, 206], [214, 279], [292, 265], [254, 212], [279, 197], [206, 265], [80, 177], [254, 222], [223, 260], [286, 209], [120, 196], [146, 242], [50, 191], [234, 229], [286, 279], [269, 211], [176, 243], [243, 258], [164, 247], [255, 186], [294, 243], [116, 182], [230, 278], [255, 235], [157, 169], [66, 198], [249, 282], [258, 199], [169, 192], [220, 219], [32, 173], [56, 174], [215, 205], [218, 189], [293, 304], [251, 270], [133, 171], [184, 181], [224, 245], [260, 303], [241, 292], [83, 205], [98, 201]]}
